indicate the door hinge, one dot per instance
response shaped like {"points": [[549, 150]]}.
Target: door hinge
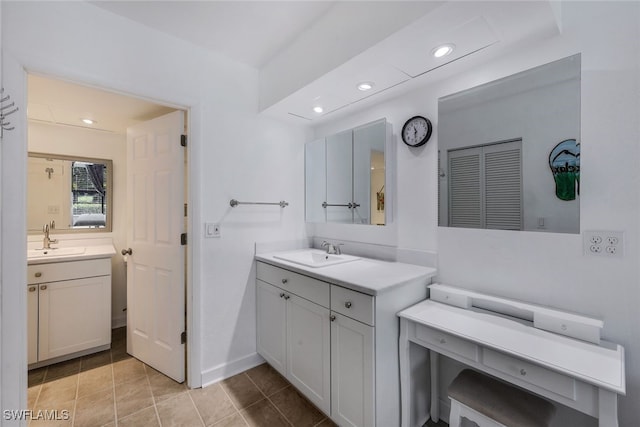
{"points": [[183, 140], [183, 239], [183, 337]]}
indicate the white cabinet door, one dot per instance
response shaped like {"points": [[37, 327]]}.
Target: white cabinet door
{"points": [[271, 326], [308, 350], [352, 372], [74, 315], [32, 324]]}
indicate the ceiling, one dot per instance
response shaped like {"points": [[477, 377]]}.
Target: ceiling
{"points": [[251, 32], [63, 103], [390, 42], [325, 48]]}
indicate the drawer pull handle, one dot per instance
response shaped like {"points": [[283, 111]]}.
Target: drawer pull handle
{"points": [[443, 341], [282, 295], [332, 318], [284, 281], [38, 274], [287, 296], [43, 287], [32, 288], [523, 372], [348, 304]]}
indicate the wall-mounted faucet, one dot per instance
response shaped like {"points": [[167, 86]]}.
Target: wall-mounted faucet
{"points": [[332, 248], [46, 242]]}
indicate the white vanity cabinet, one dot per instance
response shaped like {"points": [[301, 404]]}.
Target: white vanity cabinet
{"points": [[293, 330], [69, 309], [338, 346], [352, 372]]}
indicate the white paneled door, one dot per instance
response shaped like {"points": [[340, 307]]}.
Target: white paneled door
{"points": [[156, 265]]}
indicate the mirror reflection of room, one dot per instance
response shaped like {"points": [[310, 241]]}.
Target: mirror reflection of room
{"points": [[509, 152], [346, 176], [68, 192]]}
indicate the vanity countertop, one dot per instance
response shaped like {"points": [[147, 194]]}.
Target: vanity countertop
{"points": [[366, 275], [90, 252]]}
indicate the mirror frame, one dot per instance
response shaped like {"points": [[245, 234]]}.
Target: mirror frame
{"points": [[108, 227]]}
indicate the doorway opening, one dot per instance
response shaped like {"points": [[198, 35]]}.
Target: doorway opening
{"points": [[135, 201]]}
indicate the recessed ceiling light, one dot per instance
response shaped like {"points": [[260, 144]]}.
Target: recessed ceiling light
{"points": [[318, 109], [443, 50], [364, 86], [88, 121]]}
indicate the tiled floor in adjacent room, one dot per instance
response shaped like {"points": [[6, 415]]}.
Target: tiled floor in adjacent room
{"points": [[113, 389]]}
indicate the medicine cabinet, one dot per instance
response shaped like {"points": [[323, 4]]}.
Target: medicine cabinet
{"points": [[349, 175]]}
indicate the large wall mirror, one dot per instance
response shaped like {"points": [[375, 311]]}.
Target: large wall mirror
{"points": [[71, 193], [509, 152], [347, 176]]}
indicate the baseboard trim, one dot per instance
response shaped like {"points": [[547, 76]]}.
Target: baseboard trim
{"points": [[118, 322], [226, 370]]}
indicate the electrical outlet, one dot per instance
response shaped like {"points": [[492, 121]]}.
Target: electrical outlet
{"points": [[604, 243]]}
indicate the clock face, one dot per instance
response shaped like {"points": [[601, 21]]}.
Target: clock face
{"points": [[416, 131]]}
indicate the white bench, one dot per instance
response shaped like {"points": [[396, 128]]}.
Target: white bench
{"points": [[492, 403]]}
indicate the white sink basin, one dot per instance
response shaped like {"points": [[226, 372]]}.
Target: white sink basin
{"points": [[315, 258], [54, 252]]}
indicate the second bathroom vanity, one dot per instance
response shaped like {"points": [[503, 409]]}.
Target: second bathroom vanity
{"points": [[328, 324], [68, 303]]}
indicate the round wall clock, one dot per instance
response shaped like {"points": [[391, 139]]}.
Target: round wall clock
{"points": [[416, 131]]}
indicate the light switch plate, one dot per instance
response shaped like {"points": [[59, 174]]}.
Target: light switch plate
{"points": [[211, 230], [603, 243]]}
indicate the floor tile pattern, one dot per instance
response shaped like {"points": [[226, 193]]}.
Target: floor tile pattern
{"points": [[113, 389]]}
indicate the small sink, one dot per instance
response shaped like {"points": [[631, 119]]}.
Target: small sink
{"points": [[54, 252], [315, 258]]}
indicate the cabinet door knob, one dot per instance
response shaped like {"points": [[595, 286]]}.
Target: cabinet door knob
{"points": [[523, 372], [32, 288], [332, 317], [43, 287], [287, 296], [38, 274], [348, 304], [284, 281], [282, 295], [443, 341]]}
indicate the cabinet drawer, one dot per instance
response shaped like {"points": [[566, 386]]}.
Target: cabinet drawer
{"points": [[306, 287], [528, 372], [55, 272], [353, 304], [450, 343]]}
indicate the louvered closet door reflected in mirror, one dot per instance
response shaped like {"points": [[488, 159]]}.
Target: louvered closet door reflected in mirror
{"points": [[485, 186]]}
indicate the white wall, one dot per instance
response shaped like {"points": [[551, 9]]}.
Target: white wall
{"points": [[74, 141], [540, 267], [233, 153]]}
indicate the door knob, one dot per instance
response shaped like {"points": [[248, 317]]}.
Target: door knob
{"points": [[43, 287], [126, 252], [332, 318]]}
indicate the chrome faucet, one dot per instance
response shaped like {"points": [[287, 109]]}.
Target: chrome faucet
{"points": [[46, 242], [332, 248]]}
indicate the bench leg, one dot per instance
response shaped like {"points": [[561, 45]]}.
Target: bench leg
{"points": [[454, 415]]}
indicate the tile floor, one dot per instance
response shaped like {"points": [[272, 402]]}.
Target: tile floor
{"points": [[113, 389]]}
